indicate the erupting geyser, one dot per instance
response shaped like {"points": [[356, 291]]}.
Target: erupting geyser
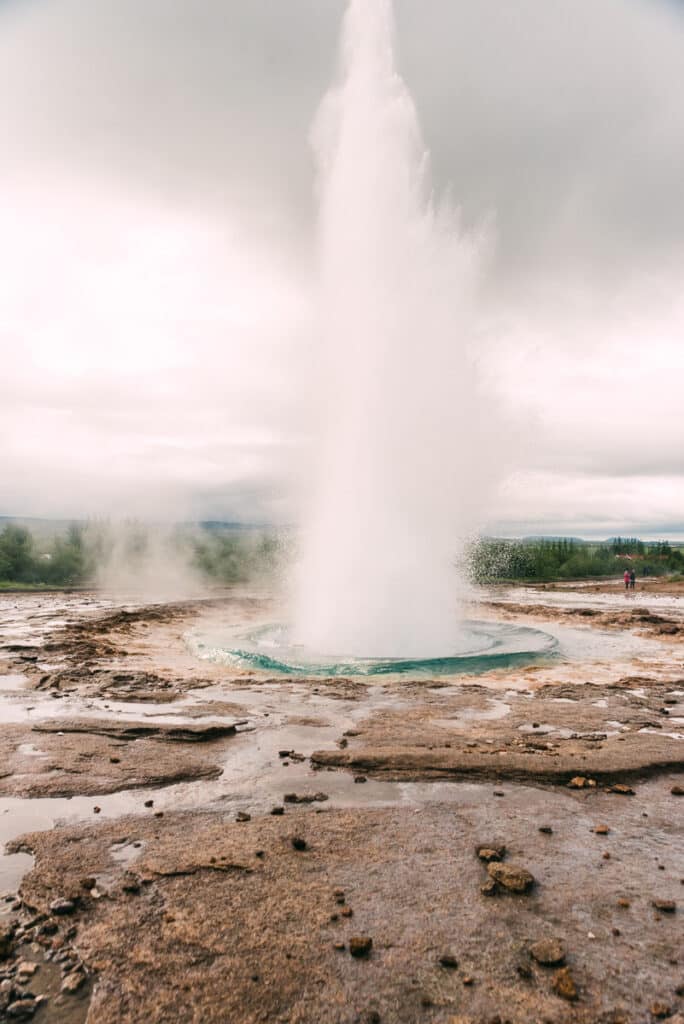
{"points": [[400, 462]]}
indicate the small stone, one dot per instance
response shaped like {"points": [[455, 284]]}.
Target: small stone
{"points": [[277, 810], [243, 816], [622, 902], [524, 970], [491, 853], [347, 912], [260, 854], [359, 779], [448, 960], [149, 803], [468, 980], [677, 791], [499, 792], [581, 782], [665, 906], [88, 883], [606, 855], [360, 945], [283, 753], [616, 932], [621, 789], [96, 810], [564, 986], [601, 830], [62, 906], [511, 876], [661, 1010], [73, 982], [21, 1009], [299, 843], [548, 952], [339, 946], [546, 830], [27, 968], [489, 888], [115, 760], [159, 814], [131, 885]]}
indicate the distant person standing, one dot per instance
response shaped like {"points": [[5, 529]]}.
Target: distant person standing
{"points": [[626, 578], [632, 579]]}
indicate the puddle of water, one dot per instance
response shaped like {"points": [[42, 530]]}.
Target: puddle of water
{"points": [[12, 682], [498, 709], [30, 750]]}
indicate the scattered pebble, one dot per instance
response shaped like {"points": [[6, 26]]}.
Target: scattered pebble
{"points": [[358, 779], [149, 803], [27, 968], [305, 798], [96, 810], [511, 876], [62, 906], [601, 830], [243, 816], [581, 782], [677, 791], [277, 810], [299, 843], [491, 853], [621, 789], [665, 906], [563, 985], [73, 982], [448, 960], [546, 830], [661, 1010], [360, 945], [548, 952], [21, 1009]]}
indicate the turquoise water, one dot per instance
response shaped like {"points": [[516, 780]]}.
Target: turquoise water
{"points": [[478, 647]]}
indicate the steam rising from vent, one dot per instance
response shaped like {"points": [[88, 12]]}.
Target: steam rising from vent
{"points": [[403, 460]]}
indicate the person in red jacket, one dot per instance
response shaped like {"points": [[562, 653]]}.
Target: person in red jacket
{"points": [[626, 579]]}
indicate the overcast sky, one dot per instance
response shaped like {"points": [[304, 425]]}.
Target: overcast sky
{"points": [[156, 247]]}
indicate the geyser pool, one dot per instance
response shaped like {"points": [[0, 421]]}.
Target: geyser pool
{"points": [[475, 647]]}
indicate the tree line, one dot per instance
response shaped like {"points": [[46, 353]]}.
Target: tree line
{"points": [[493, 560], [79, 555]]}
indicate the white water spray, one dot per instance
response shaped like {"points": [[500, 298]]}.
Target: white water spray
{"points": [[399, 458]]}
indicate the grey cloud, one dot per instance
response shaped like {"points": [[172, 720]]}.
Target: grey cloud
{"points": [[562, 118]]}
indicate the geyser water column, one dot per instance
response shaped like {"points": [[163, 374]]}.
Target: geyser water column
{"points": [[396, 479]]}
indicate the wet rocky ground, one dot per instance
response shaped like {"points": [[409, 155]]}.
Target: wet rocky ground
{"points": [[191, 841]]}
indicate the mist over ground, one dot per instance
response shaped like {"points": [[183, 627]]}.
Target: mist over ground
{"points": [[156, 250]]}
